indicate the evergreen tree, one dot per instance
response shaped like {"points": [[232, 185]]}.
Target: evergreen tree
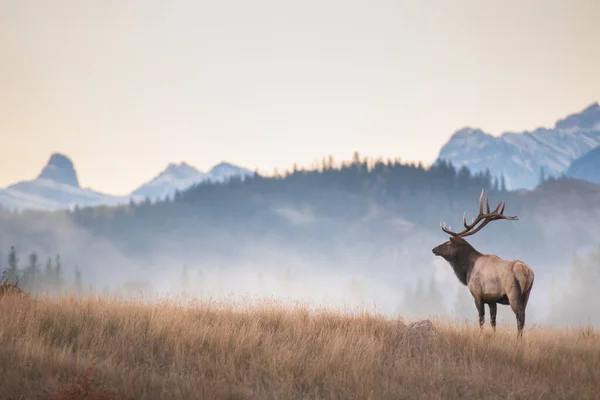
{"points": [[48, 281], [13, 266], [78, 281], [542, 175], [464, 177], [331, 162], [502, 184], [32, 273], [58, 279], [488, 178]]}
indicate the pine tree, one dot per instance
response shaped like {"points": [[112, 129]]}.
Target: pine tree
{"points": [[502, 184], [58, 280], [496, 184], [488, 178], [542, 175], [13, 266], [48, 281], [78, 281], [32, 273]]}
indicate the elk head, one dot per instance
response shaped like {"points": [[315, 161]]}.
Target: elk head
{"points": [[457, 246]]}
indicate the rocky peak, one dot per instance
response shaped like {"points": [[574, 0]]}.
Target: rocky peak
{"points": [[60, 169], [181, 170], [586, 119], [225, 170]]}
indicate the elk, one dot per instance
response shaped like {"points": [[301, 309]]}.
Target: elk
{"points": [[490, 279]]}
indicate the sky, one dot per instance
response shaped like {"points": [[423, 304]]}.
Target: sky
{"points": [[126, 87]]}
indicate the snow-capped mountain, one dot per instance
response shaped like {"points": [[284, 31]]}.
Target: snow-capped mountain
{"points": [[175, 177], [586, 167], [224, 171], [56, 187], [520, 157], [182, 176]]}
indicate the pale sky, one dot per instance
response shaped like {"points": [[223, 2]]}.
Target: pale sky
{"points": [[125, 87]]}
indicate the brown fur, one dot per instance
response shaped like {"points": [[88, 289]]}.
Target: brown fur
{"points": [[490, 279]]}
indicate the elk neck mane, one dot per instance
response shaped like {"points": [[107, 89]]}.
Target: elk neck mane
{"points": [[464, 261]]}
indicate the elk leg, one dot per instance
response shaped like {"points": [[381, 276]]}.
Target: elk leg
{"points": [[515, 300], [481, 310], [493, 312], [521, 322], [524, 301]]}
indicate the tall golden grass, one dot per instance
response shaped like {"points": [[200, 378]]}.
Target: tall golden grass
{"points": [[211, 350]]}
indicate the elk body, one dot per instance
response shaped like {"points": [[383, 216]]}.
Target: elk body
{"points": [[490, 279]]}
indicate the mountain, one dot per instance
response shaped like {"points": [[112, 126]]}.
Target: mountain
{"points": [[182, 176], [56, 187], [175, 177], [586, 167], [224, 171], [60, 169], [520, 157]]}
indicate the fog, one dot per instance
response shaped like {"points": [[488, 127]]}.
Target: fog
{"points": [[378, 260]]}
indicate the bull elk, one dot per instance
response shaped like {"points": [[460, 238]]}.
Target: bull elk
{"points": [[490, 279]]}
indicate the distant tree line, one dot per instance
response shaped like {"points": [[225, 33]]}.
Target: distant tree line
{"points": [[35, 278], [359, 211], [579, 301], [332, 191]]}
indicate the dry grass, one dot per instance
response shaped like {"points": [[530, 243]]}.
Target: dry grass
{"points": [[217, 351]]}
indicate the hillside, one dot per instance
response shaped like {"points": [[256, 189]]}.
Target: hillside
{"points": [[338, 218], [521, 156], [586, 167], [358, 232], [273, 351]]}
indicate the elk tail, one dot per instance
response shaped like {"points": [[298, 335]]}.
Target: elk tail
{"points": [[525, 278]]}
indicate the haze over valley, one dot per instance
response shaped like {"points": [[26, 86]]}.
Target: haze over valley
{"points": [[355, 232]]}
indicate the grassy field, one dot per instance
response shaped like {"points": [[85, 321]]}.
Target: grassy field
{"points": [[111, 348]]}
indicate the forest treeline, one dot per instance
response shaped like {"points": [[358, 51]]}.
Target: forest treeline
{"points": [[374, 217], [371, 206], [34, 277]]}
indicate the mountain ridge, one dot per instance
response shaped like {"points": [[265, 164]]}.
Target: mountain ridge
{"points": [[521, 156], [57, 186], [182, 176], [586, 167]]}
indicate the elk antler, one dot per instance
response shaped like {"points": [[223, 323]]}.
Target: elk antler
{"points": [[486, 218]]}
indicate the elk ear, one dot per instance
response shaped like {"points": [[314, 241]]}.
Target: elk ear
{"points": [[454, 240]]}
